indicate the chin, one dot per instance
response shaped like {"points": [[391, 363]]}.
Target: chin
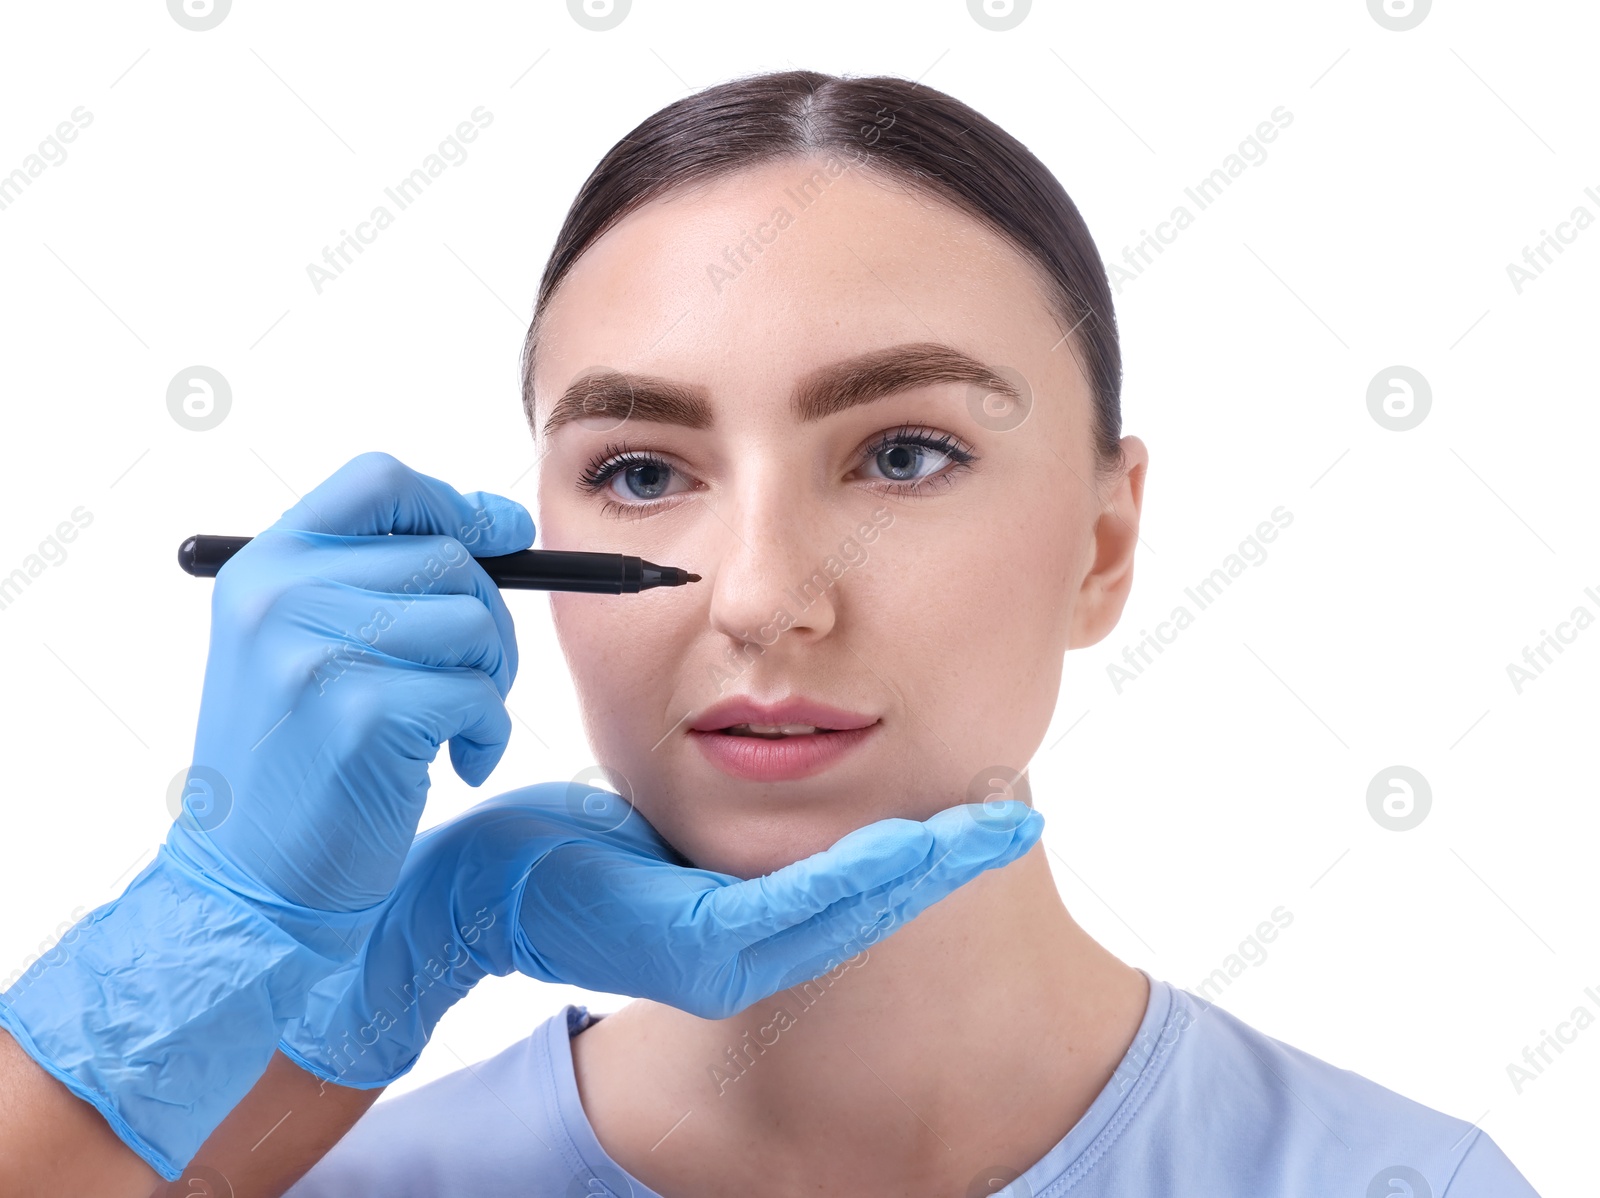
{"points": [[757, 843]]}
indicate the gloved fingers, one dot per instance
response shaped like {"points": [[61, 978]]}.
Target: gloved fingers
{"points": [[481, 730], [918, 863], [968, 840], [407, 713], [339, 830], [441, 631], [377, 493], [404, 567], [859, 863]]}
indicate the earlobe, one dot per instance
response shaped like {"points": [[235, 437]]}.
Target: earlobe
{"points": [[1105, 588]]}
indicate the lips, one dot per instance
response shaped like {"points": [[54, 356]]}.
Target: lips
{"points": [[740, 709], [776, 758]]}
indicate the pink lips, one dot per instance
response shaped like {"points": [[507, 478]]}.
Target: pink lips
{"points": [[757, 759], [740, 709]]}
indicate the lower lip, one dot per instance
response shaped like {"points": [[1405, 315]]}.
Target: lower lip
{"points": [[759, 759]]}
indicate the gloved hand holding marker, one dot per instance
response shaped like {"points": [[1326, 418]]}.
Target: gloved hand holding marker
{"points": [[348, 642], [527, 569]]}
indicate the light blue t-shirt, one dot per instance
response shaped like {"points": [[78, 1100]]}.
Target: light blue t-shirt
{"points": [[1201, 1105]]}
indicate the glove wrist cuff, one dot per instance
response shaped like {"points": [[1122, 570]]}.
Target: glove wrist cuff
{"points": [[162, 1007]]}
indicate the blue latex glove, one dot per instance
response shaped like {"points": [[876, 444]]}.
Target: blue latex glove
{"points": [[340, 659], [566, 883]]}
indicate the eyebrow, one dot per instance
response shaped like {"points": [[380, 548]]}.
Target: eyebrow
{"points": [[827, 391]]}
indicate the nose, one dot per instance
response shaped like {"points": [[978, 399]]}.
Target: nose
{"points": [[771, 579]]}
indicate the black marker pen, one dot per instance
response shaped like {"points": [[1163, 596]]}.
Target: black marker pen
{"points": [[527, 569]]}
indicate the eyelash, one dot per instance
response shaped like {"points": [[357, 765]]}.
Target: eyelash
{"points": [[614, 459]]}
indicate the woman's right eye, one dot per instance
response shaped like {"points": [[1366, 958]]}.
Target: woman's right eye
{"points": [[646, 479], [637, 480]]}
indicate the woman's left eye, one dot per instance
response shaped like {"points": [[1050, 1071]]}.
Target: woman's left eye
{"points": [[914, 456], [907, 457]]}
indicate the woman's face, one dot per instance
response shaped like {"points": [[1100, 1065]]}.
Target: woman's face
{"points": [[879, 532]]}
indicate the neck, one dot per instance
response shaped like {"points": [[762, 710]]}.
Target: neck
{"points": [[991, 1019]]}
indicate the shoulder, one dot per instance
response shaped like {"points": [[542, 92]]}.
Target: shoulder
{"points": [[1264, 1117], [494, 1127]]}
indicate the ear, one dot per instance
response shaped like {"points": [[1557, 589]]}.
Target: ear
{"points": [[1105, 588]]}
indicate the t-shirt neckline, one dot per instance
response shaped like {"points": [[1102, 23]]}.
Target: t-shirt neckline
{"points": [[1071, 1156]]}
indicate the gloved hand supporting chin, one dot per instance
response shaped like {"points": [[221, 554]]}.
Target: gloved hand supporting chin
{"points": [[566, 883]]}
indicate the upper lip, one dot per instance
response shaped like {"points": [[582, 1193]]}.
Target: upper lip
{"points": [[741, 709]]}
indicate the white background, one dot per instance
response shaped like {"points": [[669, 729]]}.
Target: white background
{"points": [[1230, 779]]}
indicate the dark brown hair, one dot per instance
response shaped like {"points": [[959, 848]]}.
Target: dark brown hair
{"points": [[909, 133]]}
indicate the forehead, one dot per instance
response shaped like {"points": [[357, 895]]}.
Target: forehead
{"points": [[758, 277]]}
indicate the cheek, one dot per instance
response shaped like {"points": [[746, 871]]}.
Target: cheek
{"points": [[602, 659], [625, 654], [608, 641], [989, 642]]}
